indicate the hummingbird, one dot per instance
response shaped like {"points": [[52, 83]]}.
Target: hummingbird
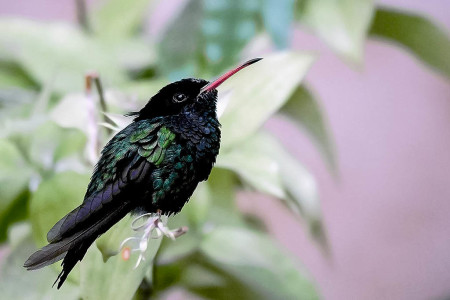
{"points": [[152, 166]]}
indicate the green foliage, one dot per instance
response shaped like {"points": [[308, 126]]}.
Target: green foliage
{"points": [[12, 74], [277, 17], [342, 24], [53, 199], [226, 28], [18, 283], [114, 278], [50, 138], [304, 111], [261, 265], [223, 269], [179, 46], [117, 19], [255, 98], [59, 53], [261, 172], [14, 174], [209, 30], [419, 35]]}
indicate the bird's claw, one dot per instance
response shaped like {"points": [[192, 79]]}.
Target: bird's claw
{"points": [[153, 228]]}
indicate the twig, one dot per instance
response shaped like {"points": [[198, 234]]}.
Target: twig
{"points": [[98, 84], [93, 143], [82, 15]]}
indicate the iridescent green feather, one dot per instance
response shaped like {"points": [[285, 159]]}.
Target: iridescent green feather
{"points": [[146, 139], [144, 152], [155, 152], [139, 135], [143, 131], [157, 156], [131, 139], [165, 137], [149, 145]]}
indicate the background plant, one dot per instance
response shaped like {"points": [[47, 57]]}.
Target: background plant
{"points": [[50, 137]]}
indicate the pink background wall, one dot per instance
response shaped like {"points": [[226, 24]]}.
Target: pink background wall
{"points": [[388, 215]]}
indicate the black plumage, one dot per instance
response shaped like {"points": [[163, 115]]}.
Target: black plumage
{"points": [[153, 165]]}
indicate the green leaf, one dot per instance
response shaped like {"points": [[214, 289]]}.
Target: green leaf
{"points": [[212, 204], [73, 111], [207, 37], [117, 19], [180, 44], [277, 17], [12, 75], [71, 142], [142, 90], [222, 188], [44, 145], [301, 188], [343, 24], [49, 144], [422, 37], [303, 110], [199, 205], [15, 102], [15, 107], [195, 274], [14, 172], [14, 212], [257, 262], [20, 113], [172, 251], [131, 54], [254, 165], [114, 278], [227, 26], [14, 178], [255, 98], [18, 283], [55, 198], [57, 53], [265, 165]]}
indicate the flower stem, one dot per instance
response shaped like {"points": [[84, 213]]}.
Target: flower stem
{"points": [[82, 15]]}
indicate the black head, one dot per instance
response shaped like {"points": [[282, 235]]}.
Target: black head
{"points": [[186, 94], [174, 97]]}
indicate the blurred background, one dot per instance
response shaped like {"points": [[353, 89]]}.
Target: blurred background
{"points": [[335, 145]]}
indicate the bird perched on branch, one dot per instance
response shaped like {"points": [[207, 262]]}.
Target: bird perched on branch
{"points": [[151, 166]]}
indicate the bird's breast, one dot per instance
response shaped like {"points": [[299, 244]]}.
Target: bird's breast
{"points": [[201, 135], [188, 161]]}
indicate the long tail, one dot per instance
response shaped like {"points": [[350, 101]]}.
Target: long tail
{"points": [[73, 248], [70, 237]]}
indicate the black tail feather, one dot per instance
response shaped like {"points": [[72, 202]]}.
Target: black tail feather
{"points": [[73, 256], [73, 248]]}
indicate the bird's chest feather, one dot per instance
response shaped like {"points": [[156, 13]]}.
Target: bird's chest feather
{"points": [[199, 134], [188, 160]]}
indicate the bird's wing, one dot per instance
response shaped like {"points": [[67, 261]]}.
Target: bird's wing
{"points": [[122, 175]]}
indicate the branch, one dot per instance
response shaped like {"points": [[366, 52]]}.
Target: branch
{"points": [[82, 15]]}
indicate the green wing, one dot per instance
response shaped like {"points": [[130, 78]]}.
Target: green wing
{"points": [[143, 139], [153, 147], [131, 156]]}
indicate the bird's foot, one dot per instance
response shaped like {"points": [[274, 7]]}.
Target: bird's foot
{"points": [[153, 227]]}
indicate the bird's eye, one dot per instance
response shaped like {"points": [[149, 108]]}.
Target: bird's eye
{"points": [[178, 97]]}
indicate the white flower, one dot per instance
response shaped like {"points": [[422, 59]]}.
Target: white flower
{"points": [[152, 227]]}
